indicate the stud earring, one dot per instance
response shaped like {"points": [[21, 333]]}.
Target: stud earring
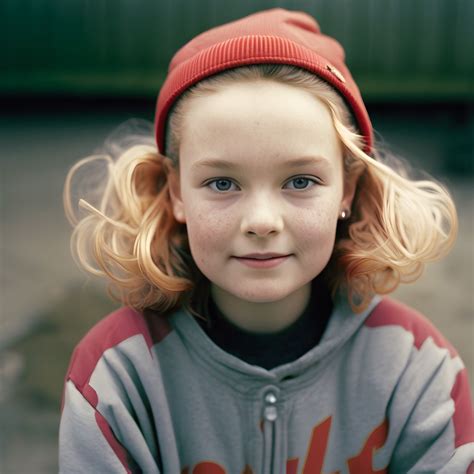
{"points": [[345, 213]]}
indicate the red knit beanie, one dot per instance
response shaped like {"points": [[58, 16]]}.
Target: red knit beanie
{"points": [[275, 36]]}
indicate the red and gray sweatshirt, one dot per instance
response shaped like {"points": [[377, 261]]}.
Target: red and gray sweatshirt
{"points": [[382, 391]]}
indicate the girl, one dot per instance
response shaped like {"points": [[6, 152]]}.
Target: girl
{"points": [[249, 250]]}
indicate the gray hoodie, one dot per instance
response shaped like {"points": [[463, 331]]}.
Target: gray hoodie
{"points": [[383, 391]]}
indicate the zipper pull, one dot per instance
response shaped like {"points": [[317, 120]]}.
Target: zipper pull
{"points": [[270, 412]]}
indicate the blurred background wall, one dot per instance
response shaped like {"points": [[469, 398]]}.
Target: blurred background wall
{"points": [[71, 72], [397, 49]]}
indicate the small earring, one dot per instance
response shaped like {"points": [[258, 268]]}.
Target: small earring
{"points": [[345, 213]]}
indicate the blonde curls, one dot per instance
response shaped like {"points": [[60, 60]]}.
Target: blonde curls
{"points": [[131, 237], [399, 225]]}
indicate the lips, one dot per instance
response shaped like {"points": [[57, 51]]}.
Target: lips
{"points": [[263, 256], [263, 263], [260, 258]]}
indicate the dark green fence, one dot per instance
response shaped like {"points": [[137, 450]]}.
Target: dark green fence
{"points": [[396, 49]]}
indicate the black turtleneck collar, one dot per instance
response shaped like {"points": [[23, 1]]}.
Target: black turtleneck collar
{"points": [[273, 349]]}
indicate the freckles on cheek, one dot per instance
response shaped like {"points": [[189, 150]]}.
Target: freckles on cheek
{"points": [[312, 222], [207, 230], [319, 229]]}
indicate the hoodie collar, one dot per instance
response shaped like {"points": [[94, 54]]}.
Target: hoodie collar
{"points": [[271, 350], [242, 376]]}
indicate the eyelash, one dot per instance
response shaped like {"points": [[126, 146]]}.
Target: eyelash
{"points": [[292, 179]]}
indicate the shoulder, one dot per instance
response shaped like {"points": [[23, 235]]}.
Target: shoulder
{"points": [[412, 323], [433, 375], [111, 332]]}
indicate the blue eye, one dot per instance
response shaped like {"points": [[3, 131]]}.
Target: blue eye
{"points": [[219, 182], [302, 181]]}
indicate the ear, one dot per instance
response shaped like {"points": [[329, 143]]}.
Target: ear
{"points": [[350, 186], [174, 187]]}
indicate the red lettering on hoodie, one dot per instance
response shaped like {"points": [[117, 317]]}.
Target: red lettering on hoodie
{"points": [[292, 465], [363, 461], [317, 447], [316, 454], [208, 467]]}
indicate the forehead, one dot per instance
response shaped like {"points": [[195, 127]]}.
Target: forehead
{"points": [[257, 121]]}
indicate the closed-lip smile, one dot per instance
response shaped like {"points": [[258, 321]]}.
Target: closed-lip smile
{"points": [[263, 256]]}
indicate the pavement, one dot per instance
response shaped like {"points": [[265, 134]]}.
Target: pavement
{"points": [[48, 304]]}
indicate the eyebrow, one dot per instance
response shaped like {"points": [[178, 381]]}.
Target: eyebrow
{"points": [[228, 165]]}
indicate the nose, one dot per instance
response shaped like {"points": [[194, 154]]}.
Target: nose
{"points": [[263, 216]]}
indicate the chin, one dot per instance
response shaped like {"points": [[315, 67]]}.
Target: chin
{"points": [[260, 295]]}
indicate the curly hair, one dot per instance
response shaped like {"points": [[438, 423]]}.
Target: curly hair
{"points": [[396, 225]]}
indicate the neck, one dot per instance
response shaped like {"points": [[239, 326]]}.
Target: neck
{"points": [[262, 317]]}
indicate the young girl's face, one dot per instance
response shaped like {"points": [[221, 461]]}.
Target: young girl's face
{"points": [[278, 187]]}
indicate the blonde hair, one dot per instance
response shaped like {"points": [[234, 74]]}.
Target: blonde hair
{"points": [[397, 224]]}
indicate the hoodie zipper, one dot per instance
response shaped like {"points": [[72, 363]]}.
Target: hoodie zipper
{"points": [[270, 414]]}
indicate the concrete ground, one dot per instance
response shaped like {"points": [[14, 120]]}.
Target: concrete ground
{"points": [[48, 304]]}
